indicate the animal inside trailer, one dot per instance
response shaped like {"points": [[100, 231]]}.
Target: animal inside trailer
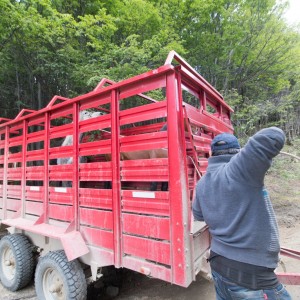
{"points": [[99, 208]]}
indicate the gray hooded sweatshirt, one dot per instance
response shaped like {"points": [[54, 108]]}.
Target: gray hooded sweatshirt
{"points": [[232, 200]]}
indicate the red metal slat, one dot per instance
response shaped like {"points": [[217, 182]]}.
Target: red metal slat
{"points": [[94, 99], [16, 126], [35, 137], [93, 148], [142, 129], [60, 152], [149, 226], [14, 157], [95, 198], [36, 120], [15, 141], [14, 204], [34, 208], [34, 192], [61, 195], [35, 173], [61, 172], [206, 120], [97, 171], [61, 111], [149, 83], [95, 123], [61, 212], [61, 131], [34, 155], [147, 268], [156, 203], [145, 170], [148, 249], [143, 113], [14, 173], [96, 218], [147, 141], [97, 237]]}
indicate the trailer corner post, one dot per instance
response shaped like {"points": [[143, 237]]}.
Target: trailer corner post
{"points": [[178, 191], [116, 188]]}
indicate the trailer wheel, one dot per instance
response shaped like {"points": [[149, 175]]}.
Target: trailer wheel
{"points": [[56, 278], [16, 261]]}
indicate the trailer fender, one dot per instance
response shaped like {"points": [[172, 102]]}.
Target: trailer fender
{"points": [[72, 241]]}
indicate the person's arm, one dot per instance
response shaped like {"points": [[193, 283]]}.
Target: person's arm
{"points": [[254, 160], [197, 212]]}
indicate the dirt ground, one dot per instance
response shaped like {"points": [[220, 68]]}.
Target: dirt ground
{"points": [[285, 194]]}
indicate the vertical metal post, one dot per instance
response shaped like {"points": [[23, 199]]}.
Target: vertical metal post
{"points": [[178, 191], [5, 170], [23, 178], [46, 168], [116, 185], [75, 184]]}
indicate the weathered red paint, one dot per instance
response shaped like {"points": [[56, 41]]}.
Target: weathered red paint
{"points": [[99, 205]]}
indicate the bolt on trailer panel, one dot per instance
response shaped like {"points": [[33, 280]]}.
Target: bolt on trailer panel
{"points": [[115, 170]]}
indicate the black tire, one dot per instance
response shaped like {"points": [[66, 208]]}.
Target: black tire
{"points": [[16, 261], [57, 278]]}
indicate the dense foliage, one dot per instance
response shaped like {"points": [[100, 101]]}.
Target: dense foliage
{"points": [[244, 48]]}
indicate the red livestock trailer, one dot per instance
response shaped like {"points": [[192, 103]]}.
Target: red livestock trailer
{"points": [[107, 178]]}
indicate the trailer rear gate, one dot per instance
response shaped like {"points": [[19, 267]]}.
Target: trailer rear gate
{"points": [[99, 206]]}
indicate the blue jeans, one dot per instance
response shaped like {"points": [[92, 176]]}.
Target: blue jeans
{"points": [[227, 290]]}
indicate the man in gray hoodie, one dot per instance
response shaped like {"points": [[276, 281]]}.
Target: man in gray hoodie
{"points": [[232, 200]]}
